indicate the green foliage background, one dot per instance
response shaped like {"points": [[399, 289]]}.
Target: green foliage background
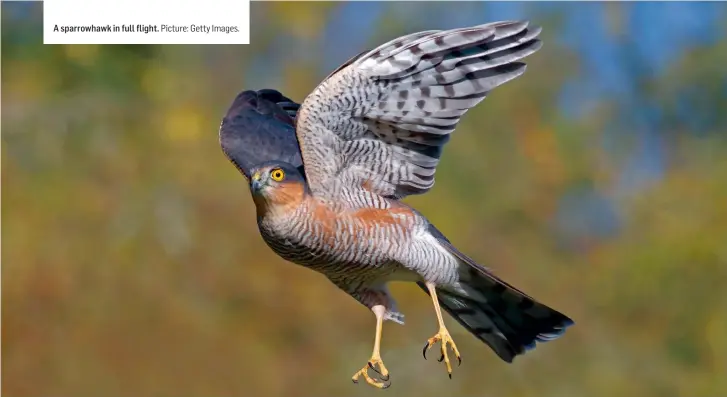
{"points": [[132, 265]]}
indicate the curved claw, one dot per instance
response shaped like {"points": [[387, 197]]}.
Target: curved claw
{"points": [[446, 341], [383, 374]]}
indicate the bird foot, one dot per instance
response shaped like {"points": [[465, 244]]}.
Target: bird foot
{"points": [[381, 373], [444, 337]]}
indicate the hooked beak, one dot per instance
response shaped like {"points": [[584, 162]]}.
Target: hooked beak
{"points": [[255, 184]]}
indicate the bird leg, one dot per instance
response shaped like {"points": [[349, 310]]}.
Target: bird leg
{"points": [[381, 371], [442, 335]]}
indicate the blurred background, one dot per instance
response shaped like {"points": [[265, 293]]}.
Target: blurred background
{"points": [[597, 182]]}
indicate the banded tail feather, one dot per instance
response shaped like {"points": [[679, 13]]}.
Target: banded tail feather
{"points": [[495, 312]]}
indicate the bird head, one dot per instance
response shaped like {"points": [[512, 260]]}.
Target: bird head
{"points": [[276, 185]]}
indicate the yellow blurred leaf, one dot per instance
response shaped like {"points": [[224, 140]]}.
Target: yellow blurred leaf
{"points": [[84, 55], [183, 124], [304, 19]]}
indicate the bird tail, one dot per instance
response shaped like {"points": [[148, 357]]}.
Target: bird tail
{"points": [[498, 314]]}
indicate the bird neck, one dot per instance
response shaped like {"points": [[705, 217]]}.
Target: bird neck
{"points": [[283, 199]]}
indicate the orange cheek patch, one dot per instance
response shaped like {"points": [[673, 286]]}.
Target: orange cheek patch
{"points": [[287, 194]]}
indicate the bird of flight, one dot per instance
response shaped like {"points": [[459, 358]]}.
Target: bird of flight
{"points": [[327, 177]]}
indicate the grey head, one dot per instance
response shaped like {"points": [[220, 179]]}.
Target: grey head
{"points": [[259, 127]]}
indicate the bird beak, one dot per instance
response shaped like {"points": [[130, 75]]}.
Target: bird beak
{"points": [[255, 184]]}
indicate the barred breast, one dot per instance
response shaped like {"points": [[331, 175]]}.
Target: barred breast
{"points": [[358, 243]]}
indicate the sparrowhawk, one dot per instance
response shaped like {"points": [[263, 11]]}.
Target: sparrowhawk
{"points": [[327, 177]]}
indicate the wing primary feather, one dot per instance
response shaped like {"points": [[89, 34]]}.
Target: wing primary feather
{"points": [[396, 103]]}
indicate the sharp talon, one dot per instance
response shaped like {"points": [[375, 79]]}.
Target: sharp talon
{"points": [[424, 351], [446, 341], [355, 382], [381, 380]]}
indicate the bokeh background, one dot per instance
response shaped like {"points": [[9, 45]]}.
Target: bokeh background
{"points": [[597, 182]]}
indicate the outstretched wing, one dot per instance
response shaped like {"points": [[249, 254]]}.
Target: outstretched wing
{"points": [[382, 119], [257, 128]]}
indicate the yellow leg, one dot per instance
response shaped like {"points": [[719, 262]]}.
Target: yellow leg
{"points": [[375, 360], [441, 336]]}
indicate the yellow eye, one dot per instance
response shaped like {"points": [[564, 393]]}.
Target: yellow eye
{"points": [[277, 174]]}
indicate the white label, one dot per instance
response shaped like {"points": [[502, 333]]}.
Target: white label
{"points": [[146, 22]]}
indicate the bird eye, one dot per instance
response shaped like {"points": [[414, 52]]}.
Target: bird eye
{"points": [[277, 174]]}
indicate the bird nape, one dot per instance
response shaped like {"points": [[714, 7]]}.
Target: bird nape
{"points": [[327, 177]]}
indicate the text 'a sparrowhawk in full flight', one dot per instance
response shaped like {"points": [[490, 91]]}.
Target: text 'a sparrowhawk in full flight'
{"points": [[327, 176]]}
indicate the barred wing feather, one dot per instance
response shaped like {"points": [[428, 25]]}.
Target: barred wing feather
{"points": [[381, 120]]}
